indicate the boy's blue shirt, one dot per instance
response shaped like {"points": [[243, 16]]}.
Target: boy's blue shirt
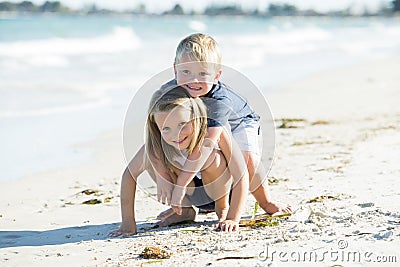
{"points": [[224, 106]]}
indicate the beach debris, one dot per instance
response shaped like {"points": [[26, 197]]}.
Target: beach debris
{"points": [[92, 201], [366, 205], [107, 199], [357, 233], [322, 198], [151, 262], [256, 206], [237, 258], [298, 143], [90, 192], [151, 252], [275, 181], [388, 127], [191, 231], [290, 123], [338, 169], [264, 220], [320, 122], [384, 235]]}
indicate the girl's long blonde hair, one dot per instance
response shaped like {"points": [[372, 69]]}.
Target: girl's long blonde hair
{"points": [[164, 100]]}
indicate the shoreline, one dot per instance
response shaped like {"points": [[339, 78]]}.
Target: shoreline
{"points": [[351, 150]]}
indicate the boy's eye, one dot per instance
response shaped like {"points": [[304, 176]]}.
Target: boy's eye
{"points": [[187, 72], [203, 74]]}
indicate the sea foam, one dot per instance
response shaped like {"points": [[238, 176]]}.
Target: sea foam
{"points": [[121, 39]]}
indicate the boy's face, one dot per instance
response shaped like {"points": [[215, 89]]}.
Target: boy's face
{"points": [[196, 77]]}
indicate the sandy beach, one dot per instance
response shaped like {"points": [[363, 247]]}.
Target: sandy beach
{"points": [[336, 162]]}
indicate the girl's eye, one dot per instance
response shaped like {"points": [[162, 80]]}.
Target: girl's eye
{"points": [[182, 124], [165, 129]]}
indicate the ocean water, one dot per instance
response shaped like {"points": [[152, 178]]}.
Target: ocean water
{"points": [[66, 79]]}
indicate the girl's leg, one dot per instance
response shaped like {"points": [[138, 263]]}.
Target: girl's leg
{"points": [[217, 183], [259, 185], [168, 216]]}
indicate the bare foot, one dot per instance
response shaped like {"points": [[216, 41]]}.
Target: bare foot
{"points": [[188, 214], [273, 207], [165, 214]]}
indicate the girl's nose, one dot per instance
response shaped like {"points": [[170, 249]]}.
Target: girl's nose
{"points": [[176, 134]]}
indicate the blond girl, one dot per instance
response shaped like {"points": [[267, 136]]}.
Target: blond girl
{"points": [[176, 127]]}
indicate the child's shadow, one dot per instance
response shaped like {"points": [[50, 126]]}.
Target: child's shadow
{"points": [[74, 234], [56, 236]]}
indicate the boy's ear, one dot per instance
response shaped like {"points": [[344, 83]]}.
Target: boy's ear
{"points": [[218, 75], [175, 69]]}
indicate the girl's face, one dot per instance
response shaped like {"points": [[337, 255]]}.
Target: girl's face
{"points": [[197, 78], [176, 127]]}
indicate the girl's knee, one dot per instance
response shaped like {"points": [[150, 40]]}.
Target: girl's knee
{"points": [[215, 162]]}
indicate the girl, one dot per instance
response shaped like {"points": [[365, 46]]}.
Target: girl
{"points": [[177, 126]]}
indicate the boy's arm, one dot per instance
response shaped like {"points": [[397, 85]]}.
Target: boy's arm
{"points": [[193, 165], [238, 170], [128, 190]]}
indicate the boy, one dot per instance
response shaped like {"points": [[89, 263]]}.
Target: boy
{"points": [[197, 68]]}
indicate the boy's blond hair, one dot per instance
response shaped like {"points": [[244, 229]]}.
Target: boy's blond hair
{"points": [[199, 47]]}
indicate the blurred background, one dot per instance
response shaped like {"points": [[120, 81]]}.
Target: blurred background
{"points": [[68, 69]]}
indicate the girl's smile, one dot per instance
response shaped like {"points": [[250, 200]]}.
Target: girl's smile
{"points": [[176, 127]]}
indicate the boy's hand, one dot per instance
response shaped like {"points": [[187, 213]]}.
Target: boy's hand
{"points": [[227, 226], [164, 190], [177, 196], [124, 230]]}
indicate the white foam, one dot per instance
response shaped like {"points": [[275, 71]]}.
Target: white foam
{"points": [[197, 26], [365, 41], [55, 110], [286, 42], [52, 50]]}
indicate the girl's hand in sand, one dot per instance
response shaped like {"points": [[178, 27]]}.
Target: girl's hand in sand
{"points": [[124, 230], [177, 196], [164, 190], [227, 226]]}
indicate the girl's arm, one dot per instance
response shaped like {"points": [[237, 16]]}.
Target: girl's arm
{"points": [[128, 190], [193, 165], [238, 169]]}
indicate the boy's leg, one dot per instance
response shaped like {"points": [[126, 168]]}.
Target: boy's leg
{"points": [[217, 184], [259, 185]]}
